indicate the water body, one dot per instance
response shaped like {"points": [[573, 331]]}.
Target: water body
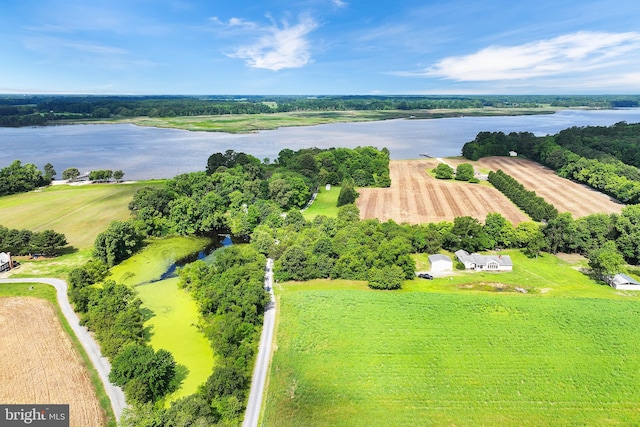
{"points": [[205, 254], [146, 153]]}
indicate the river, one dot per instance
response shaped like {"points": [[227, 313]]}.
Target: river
{"points": [[146, 153]]}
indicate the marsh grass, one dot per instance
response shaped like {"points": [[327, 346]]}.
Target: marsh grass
{"points": [[246, 123]]}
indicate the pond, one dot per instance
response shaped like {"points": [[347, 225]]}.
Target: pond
{"points": [[172, 315], [147, 153]]}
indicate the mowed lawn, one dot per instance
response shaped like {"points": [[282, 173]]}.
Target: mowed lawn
{"points": [[79, 212], [458, 351], [324, 204]]}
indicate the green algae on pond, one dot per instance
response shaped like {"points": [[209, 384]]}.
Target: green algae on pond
{"points": [[173, 327], [173, 314]]}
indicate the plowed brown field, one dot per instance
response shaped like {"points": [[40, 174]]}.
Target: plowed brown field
{"points": [[39, 365], [565, 195], [416, 197]]}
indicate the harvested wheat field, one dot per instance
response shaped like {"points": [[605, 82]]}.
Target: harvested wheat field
{"points": [[39, 365], [416, 197], [565, 195]]}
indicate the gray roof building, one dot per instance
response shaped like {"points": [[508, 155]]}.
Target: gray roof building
{"points": [[484, 262]]}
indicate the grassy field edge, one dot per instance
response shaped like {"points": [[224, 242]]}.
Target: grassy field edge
{"points": [[48, 293]]}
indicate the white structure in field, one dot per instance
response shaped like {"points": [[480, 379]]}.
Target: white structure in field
{"points": [[623, 282], [6, 263], [439, 262], [484, 262]]}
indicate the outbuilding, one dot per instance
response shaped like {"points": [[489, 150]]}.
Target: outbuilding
{"points": [[623, 282], [6, 263], [439, 263]]}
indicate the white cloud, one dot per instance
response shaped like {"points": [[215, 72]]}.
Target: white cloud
{"points": [[339, 3], [277, 46], [579, 53]]}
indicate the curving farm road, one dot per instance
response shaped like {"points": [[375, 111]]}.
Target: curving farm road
{"points": [[100, 363], [261, 368]]}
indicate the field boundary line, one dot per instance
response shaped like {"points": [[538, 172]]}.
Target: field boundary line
{"points": [[100, 363]]}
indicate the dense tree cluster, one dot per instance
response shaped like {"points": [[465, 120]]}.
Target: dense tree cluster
{"points": [[100, 175], [27, 242], [532, 204], [599, 160], [20, 178], [230, 296], [144, 374], [117, 243], [113, 313], [342, 247], [443, 171], [465, 172], [238, 192]]}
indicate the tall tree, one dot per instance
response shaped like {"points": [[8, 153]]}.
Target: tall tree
{"points": [[49, 172]]}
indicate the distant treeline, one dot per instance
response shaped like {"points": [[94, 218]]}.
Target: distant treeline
{"points": [[42, 109], [604, 158]]}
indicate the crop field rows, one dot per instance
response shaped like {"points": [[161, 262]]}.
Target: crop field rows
{"points": [[38, 364], [564, 194], [363, 358], [416, 197]]}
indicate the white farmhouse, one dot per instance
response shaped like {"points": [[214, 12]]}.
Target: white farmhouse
{"points": [[440, 263], [484, 262]]}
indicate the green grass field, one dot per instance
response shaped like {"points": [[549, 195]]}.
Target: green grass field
{"points": [[79, 212], [173, 315], [457, 352], [324, 204]]}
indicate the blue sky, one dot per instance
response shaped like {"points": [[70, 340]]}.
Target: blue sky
{"points": [[320, 47]]}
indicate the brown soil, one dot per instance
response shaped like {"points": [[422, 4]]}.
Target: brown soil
{"points": [[416, 197], [39, 365], [565, 195]]}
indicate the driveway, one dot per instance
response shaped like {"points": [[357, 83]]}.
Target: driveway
{"points": [[261, 369]]}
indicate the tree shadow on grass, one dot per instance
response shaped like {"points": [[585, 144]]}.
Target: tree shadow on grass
{"points": [[67, 250]]}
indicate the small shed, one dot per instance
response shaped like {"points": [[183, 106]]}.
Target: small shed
{"points": [[513, 154], [439, 262], [6, 263], [623, 282]]}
